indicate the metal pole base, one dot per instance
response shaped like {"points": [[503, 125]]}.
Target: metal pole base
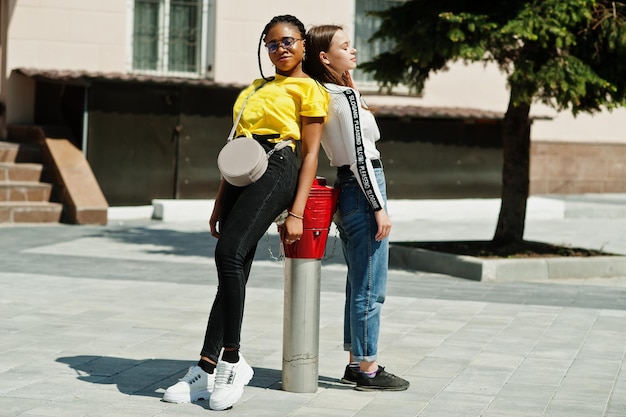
{"points": [[301, 322]]}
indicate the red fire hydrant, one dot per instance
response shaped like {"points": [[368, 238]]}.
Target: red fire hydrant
{"points": [[318, 214], [302, 291]]}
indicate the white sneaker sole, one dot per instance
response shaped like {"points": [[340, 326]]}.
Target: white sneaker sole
{"points": [[185, 398], [235, 396]]}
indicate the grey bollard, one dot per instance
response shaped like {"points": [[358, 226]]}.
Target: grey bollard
{"points": [[301, 324]]}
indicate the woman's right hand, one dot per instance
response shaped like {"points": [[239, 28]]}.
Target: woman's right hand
{"points": [[217, 211], [215, 218], [291, 230], [311, 138], [384, 224]]}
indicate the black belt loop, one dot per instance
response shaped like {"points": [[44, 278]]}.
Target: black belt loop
{"points": [[344, 169], [264, 140], [266, 137]]}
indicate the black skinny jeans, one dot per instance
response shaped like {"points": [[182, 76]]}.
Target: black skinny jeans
{"points": [[247, 213]]}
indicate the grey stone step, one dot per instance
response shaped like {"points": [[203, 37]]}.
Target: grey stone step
{"points": [[25, 172], [30, 212], [8, 151], [19, 152], [25, 191]]}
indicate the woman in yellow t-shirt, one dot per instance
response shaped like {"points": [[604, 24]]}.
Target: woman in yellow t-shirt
{"points": [[288, 106]]}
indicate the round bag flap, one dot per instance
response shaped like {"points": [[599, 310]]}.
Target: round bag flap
{"points": [[242, 161]]}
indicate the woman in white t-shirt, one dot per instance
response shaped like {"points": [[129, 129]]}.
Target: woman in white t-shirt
{"points": [[349, 139]]}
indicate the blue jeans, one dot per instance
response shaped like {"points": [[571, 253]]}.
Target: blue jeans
{"points": [[247, 213], [367, 262]]}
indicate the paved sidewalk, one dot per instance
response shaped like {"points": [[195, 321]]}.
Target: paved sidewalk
{"points": [[97, 321]]}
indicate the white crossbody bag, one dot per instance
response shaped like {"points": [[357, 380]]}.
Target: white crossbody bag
{"points": [[243, 160]]}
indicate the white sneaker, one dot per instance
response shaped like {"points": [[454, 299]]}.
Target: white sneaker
{"points": [[196, 384], [230, 378]]}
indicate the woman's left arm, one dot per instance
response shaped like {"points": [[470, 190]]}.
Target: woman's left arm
{"points": [[311, 139]]}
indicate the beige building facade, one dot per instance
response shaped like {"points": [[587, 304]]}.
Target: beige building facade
{"points": [[105, 37], [97, 36]]}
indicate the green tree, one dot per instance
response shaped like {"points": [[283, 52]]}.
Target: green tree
{"points": [[569, 54]]}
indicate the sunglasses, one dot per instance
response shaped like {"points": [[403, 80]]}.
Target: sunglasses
{"points": [[287, 43]]}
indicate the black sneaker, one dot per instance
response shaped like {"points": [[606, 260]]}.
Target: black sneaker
{"points": [[383, 381], [350, 375]]}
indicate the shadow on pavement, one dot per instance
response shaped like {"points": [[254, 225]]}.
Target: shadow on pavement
{"points": [[201, 243], [169, 241], [151, 377]]}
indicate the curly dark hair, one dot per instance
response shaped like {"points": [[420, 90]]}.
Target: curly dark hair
{"points": [[286, 19]]}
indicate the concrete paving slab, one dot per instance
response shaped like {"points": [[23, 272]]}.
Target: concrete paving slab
{"points": [[99, 320], [450, 214]]}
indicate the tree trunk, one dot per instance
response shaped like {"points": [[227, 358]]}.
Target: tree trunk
{"points": [[515, 173]]}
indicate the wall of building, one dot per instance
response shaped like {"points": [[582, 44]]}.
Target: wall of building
{"points": [[477, 86], [240, 23], [69, 34], [20, 96], [94, 35], [569, 155], [577, 168], [66, 35]]}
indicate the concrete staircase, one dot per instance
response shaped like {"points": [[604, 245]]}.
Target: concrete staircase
{"points": [[24, 196], [64, 190]]}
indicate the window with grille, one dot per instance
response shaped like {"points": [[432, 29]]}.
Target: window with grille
{"points": [[171, 37], [364, 27]]}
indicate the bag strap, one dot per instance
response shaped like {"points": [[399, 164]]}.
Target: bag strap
{"points": [[231, 135], [280, 145]]}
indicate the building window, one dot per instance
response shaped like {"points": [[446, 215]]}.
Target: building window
{"points": [[171, 37], [364, 28]]}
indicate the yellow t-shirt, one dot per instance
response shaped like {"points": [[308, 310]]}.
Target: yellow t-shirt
{"points": [[277, 107]]}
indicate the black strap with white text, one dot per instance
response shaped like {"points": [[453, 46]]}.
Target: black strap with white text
{"points": [[361, 159]]}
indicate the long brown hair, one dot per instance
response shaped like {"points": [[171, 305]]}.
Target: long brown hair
{"points": [[318, 40]]}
